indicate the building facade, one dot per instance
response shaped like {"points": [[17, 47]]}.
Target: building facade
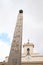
{"points": [[28, 56]]}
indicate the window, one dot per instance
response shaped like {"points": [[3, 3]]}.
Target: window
{"points": [[28, 51]]}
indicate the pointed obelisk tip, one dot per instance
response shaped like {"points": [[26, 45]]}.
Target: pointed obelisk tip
{"points": [[21, 11]]}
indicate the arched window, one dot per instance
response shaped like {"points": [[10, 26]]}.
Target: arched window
{"points": [[28, 51]]}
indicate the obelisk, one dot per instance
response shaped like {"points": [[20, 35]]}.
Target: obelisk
{"points": [[15, 52]]}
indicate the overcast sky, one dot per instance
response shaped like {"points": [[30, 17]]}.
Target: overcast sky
{"points": [[32, 23]]}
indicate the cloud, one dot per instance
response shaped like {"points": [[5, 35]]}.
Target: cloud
{"points": [[4, 50], [4, 46]]}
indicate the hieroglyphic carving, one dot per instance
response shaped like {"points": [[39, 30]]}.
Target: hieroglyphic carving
{"points": [[15, 53], [14, 61]]}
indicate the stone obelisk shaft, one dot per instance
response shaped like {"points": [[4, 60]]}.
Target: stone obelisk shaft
{"points": [[15, 52]]}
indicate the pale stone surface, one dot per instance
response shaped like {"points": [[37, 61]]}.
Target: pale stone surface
{"points": [[15, 52], [28, 45], [33, 57]]}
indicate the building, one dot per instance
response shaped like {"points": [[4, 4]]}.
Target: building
{"points": [[16, 57], [28, 57]]}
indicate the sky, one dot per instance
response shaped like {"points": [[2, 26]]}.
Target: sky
{"points": [[32, 24]]}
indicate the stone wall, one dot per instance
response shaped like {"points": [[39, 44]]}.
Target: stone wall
{"points": [[3, 63], [36, 63], [32, 63]]}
